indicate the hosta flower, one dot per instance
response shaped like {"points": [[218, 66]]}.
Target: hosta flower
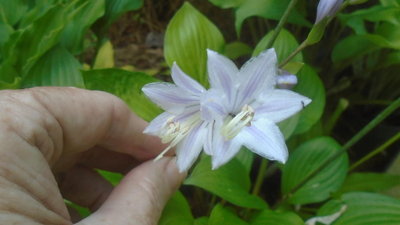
{"points": [[327, 8], [286, 80], [241, 107]]}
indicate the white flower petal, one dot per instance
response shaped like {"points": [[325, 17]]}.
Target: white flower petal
{"points": [[264, 138], [157, 124], [212, 105], [327, 8], [258, 74], [184, 81], [222, 73], [169, 96], [278, 105], [223, 150], [189, 148], [209, 138]]}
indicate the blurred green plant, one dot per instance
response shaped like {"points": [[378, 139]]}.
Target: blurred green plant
{"points": [[42, 41]]}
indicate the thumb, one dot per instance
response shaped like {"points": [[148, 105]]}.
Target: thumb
{"points": [[141, 195]]}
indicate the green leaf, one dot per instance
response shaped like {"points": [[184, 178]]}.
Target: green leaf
{"points": [[188, 35], [355, 46], [230, 182], [113, 178], [222, 216], [245, 157], [225, 4], [83, 212], [201, 221], [237, 49], [126, 85], [310, 85], [284, 44], [372, 182], [14, 85], [12, 11], [74, 33], [104, 57], [113, 10], [55, 68], [268, 217], [306, 159], [268, 9], [177, 211], [28, 45], [364, 208], [5, 32]]}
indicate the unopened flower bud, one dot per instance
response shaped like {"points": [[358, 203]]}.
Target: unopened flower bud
{"points": [[286, 80], [327, 8]]}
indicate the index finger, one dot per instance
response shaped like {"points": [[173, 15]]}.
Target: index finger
{"points": [[90, 118]]}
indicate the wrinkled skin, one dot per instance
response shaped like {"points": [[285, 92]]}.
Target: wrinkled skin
{"points": [[51, 139]]}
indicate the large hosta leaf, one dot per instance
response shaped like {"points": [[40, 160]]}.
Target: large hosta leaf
{"points": [[113, 10], [269, 9], [89, 12], [230, 182], [364, 208], [55, 68], [188, 35], [26, 46], [306, 159], [126, 85]]}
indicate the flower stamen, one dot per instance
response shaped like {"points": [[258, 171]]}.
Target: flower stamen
{"points": [[174, 131], [233, 126]]}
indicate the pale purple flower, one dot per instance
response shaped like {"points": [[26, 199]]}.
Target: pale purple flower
{"points": [[327, 8], [241, 107]]}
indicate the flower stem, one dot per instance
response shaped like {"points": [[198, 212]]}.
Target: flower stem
{"points": [[302, 46], [260, 177], [373, 123], [378, 150], [281, 23], [341, 107]]}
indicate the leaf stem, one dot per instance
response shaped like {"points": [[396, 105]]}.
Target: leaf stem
{"points": [[378, 150], [281, 23], [260, 177], [373, 123]]}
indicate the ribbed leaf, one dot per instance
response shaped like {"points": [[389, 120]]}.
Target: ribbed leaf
{"points": [[12, 11], [56, 68], [230, 182], [177, 211], [310, 85], [126, 85], [370, 182], [188, 35], [269, 9], [113, 10], [222, 216], [268, 217], [364, 209], [89, 12], [307, 158], [26, 46], [284, 44]]}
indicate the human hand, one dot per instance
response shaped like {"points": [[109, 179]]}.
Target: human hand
{"points": [[52, 138]]}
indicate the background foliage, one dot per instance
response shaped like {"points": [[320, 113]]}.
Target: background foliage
{"points": [[348, 68]]}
